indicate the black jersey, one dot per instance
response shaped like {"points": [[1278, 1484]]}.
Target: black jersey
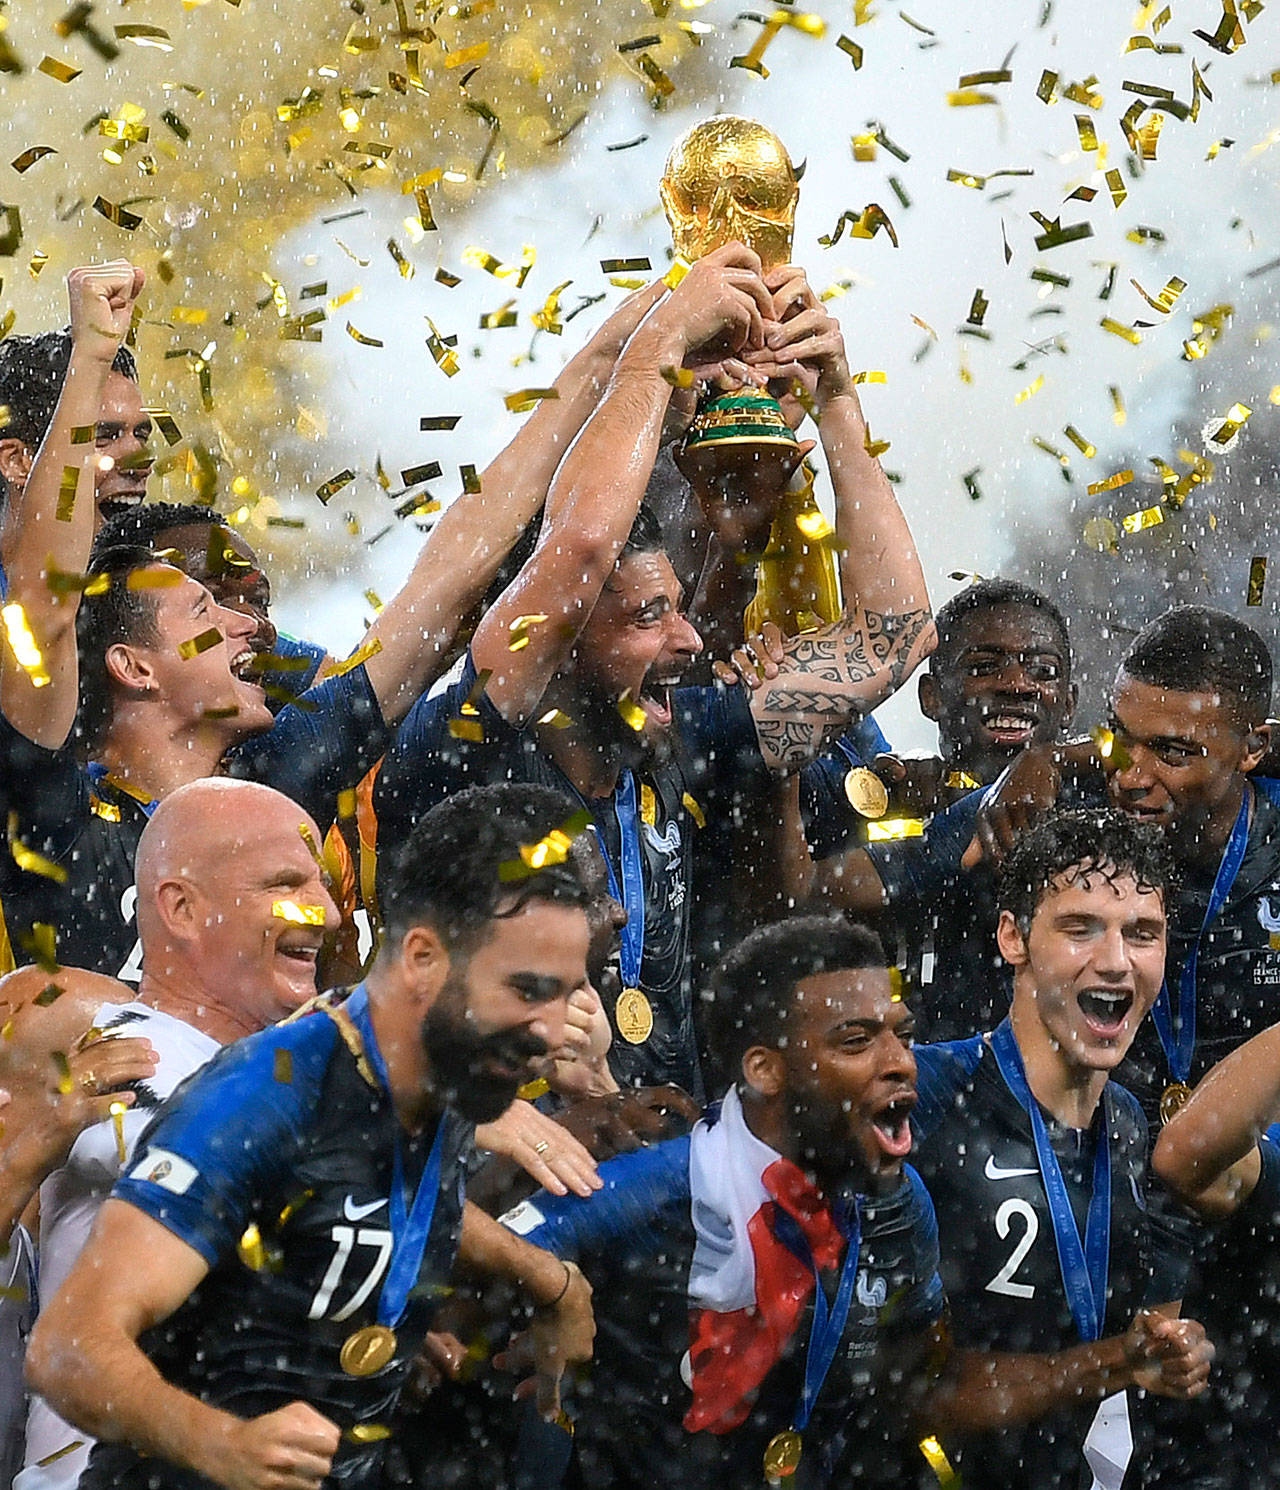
{"points": [[999, 1262], [87, 828], [275, 1163], [1225, 1439], [433, 757]]}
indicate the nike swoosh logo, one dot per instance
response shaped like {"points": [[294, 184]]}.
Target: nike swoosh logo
{"points": [[355, 1212], [993, 1171]]}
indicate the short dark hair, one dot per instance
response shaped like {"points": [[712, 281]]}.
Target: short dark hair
{"points": [[450, 872], [646, 535], [32, 372], [1194, 649], [752, 989], [142, 524], [1085, 841], [988, 595], [116, 614]]}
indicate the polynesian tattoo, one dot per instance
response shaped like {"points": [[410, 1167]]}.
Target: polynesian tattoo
{"points": [[829, 677]]}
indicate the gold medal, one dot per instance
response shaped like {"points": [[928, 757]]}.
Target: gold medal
{"points": [[367, 1351], [782, 1454], [634, 1015], [1173, 1099], [867, 794]]}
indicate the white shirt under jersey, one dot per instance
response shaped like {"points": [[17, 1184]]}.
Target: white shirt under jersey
{"points": [[17, 1314], [69, 1201]]}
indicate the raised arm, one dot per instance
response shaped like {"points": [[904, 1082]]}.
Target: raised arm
{"points": [[597, 490], [1208, 1154], [84, 1358], [45, 527], [476, 532], [844, 671]]}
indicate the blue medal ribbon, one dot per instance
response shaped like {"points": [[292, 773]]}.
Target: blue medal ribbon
{"points": [[98, 773], [410, 1222], [1177, 1028], [1084, 1266], [829, 1320], [630, 894]]}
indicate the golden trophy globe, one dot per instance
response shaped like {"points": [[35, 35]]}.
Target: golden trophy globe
{"points": [[730, 179]]}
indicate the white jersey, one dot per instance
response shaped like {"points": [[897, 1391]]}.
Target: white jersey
{"points": [[69, 1201]]}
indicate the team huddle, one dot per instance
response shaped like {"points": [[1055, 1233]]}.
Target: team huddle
{"points": [[562, 1044]]}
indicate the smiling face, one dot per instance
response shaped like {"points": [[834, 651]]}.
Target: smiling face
{"points": [[121, 446], [213, 684], [636, 643], [261, 909], [850, 1075], [1091, 964], [1005, 686], [219, 559], [1181, 762]]}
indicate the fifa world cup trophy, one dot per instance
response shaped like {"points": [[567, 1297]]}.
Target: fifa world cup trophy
{"points": [[730, 179]]}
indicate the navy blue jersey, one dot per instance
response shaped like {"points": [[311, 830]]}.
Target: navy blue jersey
{"points": [[316, 748], [1225, 1439], [635, 1241], [280, 1133], [976, 1153], [713, 735], [831, 825]]}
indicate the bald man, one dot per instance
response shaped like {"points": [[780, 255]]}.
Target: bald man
{"points": [[232, 910]]}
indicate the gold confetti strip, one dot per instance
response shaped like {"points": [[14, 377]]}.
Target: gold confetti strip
{"points": [[1149, 517], [520, 629], [1111, 483], [1225, 433], [889, 828], [864, 224], [752, 60], [548, 318], [692, 807], [1030, 390], [446, 359], [42, 943], [1229, 35], [67, 1448], [416, 475], [678, 377], [625, 266], [965, 98], [439, 421], [1257, 580], [52, 993], [251, 1250], [524, 399], [851, 49], [1088, 134], [120, 216], [675, 275], [1115, 185], [551, 849], [864, 146], [495, 320], [29, 860], [335, 484], [633, 716], [874, 448], [365, 341], [470, 480], [1086, 447], [1118, 413], [532, 1090], [117, 1111], [28, 158], [67, 488], [144, 579], [349, 664], [298, 915], [1167, 298], [465, 56], [555, 719], [60, 72], [980, 79], [145, 36], [1047, 87], [1116, 328], [194, 645], [662, 85], [1085, 93], [1055, 235], [937, 1459], [1042, 444], [23, 644], [869, 377], [402, 263]]}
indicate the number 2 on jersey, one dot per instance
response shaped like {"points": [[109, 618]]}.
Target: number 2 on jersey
{"points": [[1003, 1280]]}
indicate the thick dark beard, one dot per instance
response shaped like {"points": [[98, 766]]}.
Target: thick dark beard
{"points": [[457, 1054]]}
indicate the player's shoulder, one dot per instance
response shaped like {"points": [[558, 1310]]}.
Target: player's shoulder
{"points": [[944, 1071]]}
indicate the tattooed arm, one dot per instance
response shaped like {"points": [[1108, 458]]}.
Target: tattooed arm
{"points": [[827, 678]]}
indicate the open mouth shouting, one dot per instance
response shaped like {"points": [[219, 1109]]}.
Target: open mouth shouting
{"points": [[655, 697], [891, 1125], [1105, 1010], [244, 669]]}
